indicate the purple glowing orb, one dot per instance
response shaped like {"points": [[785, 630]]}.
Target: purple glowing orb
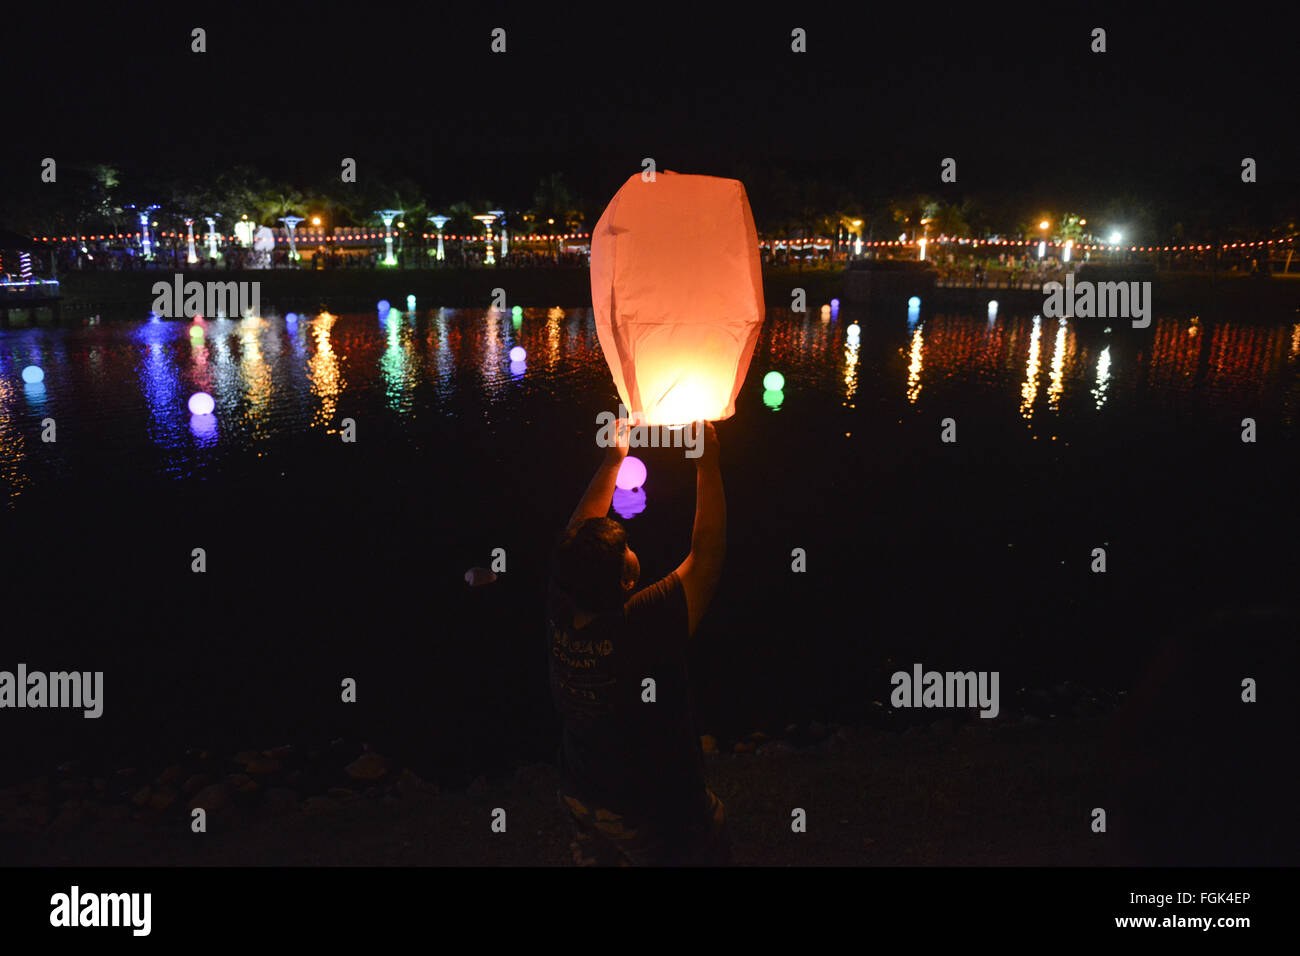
{"points": [[631, 474], [517, 354]]}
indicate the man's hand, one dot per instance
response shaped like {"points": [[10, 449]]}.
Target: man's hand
{"points": [[709, 440], [618, 450]]}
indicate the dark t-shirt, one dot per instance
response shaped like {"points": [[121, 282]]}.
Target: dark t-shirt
{"points": [[633, 757]]}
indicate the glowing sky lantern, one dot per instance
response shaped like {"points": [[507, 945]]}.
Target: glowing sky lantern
{"points": [[678, 295], [517, 354], [631, 474], [201, 403], [33, 374]]}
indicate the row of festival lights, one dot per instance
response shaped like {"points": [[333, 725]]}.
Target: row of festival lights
{"points": [[943, 240]]}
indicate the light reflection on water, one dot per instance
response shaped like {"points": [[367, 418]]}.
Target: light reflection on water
{"points": [[118, 382]]}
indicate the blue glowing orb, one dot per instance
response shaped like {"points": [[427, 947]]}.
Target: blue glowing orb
{"points": [[291, 317], [773, 382], [631, 474], [33, 374], [835, 305], [383, 306], [517, 354], [410, 303], [201, 403], [914, 302]]}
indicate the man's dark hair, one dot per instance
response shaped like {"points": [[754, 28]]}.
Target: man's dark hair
{"points": [[587, 569]]}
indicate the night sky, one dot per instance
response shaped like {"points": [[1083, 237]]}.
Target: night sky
{"points": [[1013, 93]]}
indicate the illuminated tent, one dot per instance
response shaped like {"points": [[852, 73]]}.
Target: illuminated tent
{"points": [[678, 295]]}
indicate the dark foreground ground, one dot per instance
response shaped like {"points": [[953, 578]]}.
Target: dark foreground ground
{"points": [[971, 792]]}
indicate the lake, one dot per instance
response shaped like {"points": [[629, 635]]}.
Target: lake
{"points": [[328, 560]]}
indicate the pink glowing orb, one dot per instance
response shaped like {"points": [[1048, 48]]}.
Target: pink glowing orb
{"points": [[631, 474], [201, 403]]}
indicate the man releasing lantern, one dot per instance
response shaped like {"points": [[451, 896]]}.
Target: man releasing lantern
{"points": [[678, 295]]}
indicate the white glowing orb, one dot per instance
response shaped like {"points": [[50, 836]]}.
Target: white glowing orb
{"points": [[517, 354], [201, 403], [33, 374], [631, 474]]}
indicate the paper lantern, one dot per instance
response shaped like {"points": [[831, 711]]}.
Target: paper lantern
{"points": [[631, 474], [678, 295], [201, 403], [33, 374]]}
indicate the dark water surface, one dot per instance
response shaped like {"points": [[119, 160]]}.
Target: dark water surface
{"points": [[329, 560]]}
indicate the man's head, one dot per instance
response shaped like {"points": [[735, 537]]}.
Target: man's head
{"points": [[594, 566]]}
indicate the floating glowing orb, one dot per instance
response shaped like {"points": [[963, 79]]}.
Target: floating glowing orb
{"points": [[835, 305], [517, 354], [631, 474], [993, 307], [914, 302], [410, 303], [518, 368], [383, 306], [291, 318], [826, 310], [516, 311], [854, 330], [773, 398], [201, 403], [33, 374], [773, 381]]}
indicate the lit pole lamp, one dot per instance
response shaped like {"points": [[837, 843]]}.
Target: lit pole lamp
{"points": [[501, 216], [487, 220], [291, 223], [550, 237], [438, 223], [146, 243], [857, 243], [388, 215], [212, 236], [1042, 243], [190, 255]]}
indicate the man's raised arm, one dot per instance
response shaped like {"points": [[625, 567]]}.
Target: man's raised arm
{"points": [[701, 570], [595, 502]]}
